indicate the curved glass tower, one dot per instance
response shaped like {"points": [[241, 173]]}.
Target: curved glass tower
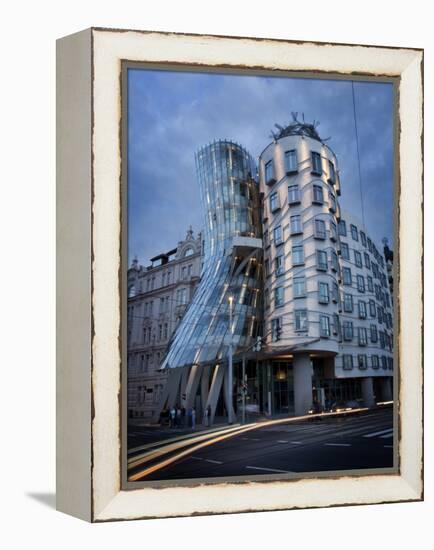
{"points": [[232, 261]]}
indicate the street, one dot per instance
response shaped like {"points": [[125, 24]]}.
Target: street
{"points": [[351, 442]]}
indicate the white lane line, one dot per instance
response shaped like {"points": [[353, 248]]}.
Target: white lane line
{"points": [[379, 433], [196, 458], [254, 439], [269, 470], [338, 444], [388, 446], [282, 441], [386, 436], [296, 442], [213, 461]]}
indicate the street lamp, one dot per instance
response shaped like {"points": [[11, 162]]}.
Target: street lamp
{"points": [[230, 374]]}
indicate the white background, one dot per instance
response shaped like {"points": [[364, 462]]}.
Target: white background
{"points": [[27, 224]]}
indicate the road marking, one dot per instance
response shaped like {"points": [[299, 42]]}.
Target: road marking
{"points": [[282, 441], [338, 444], [213, 461], [379, 433], [296, 442], [269, 470], [386, 436], [254, 439], [196, 458], [388, 446]]}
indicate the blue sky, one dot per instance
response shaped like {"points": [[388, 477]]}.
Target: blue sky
{"points": [[171, 114]]}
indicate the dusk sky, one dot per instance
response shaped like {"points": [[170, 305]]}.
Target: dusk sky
{"points": [[172, 114]]}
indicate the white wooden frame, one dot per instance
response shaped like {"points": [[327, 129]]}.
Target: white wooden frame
{"points": [[88, 263]]}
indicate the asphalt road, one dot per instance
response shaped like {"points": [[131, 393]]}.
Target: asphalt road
{"points": [[361, 441]]}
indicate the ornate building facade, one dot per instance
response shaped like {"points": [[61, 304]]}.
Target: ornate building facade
{"points": [[158, 296]]}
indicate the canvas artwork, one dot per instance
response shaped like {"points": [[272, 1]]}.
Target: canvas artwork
{"points": [[258, 275]]}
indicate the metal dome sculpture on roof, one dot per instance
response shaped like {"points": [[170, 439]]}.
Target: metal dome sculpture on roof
{"points": [[297, 128]]}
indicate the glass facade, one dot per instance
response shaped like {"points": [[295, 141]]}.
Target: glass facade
{"points": [[232, 261]]}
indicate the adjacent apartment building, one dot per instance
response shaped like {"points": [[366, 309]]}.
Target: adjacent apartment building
{"points": [[293, 291], [158, 296]]}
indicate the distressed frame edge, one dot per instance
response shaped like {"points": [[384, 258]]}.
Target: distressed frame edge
{"points": [[73, 275], [413, 489]]}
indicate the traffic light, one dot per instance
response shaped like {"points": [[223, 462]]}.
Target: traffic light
{"points": [[258, 344]]}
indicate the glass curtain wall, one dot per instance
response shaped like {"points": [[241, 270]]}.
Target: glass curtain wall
{"points": [[229, 193]]}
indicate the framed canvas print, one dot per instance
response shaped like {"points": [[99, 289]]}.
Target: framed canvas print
{"points": [[239, 268]]}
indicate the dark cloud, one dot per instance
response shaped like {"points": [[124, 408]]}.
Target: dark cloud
{"points": [[172, 114]]}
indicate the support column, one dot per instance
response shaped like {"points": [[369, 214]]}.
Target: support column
{"points": [[214, 391], [368, 391], [303, 370], [192, 385], [386, 388]]}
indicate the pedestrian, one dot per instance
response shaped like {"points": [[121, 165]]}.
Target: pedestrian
{"points": [[193, 418], [189, 417], [172, 416], [178, 416], [183, 417]]}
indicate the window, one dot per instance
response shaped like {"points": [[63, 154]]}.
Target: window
{"points": [[300, 320], [321, 260], [369, 244], [336, 325], [181, 296], [184, 272], [346, 276], [357, 258], [293, 194], [342, 228], [291, 165], [382, 339], [279, 265], [367, 260], [267, 267], [363, 238], [269, 173], [374, 334], [165, 331], [295, 224], [267, 298], [348, 330], [278, 296], [354, 232], [390, 363], [345, 251], [370, 284], [320, 229], [372, 309], [362, 336], [323, 293], [384, 362], [324, 326], [332, 202], [297, 255], [316, 163], [332, 173], [299, 285], [348, 302], [274, 201], [276, 328], [334, 260], [360, 283], [347, 362], [318, 195], [375, 362], [362, 361], [335, 292], [333, 232], [277, 235], [362, 309]]}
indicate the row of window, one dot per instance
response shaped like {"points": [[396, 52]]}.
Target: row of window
{"points": [[366, 241], [361, 361], [294, 198], [166, 279], [291, 167], [296, 228], [375, 335]]}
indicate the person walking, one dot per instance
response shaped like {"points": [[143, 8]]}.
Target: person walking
{"points": [[172, 416], [178, 416], [205, 417], [193, 418]]}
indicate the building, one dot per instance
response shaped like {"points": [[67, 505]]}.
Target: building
{"points": [[158, 296], [283, 264], [327, 318]]}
